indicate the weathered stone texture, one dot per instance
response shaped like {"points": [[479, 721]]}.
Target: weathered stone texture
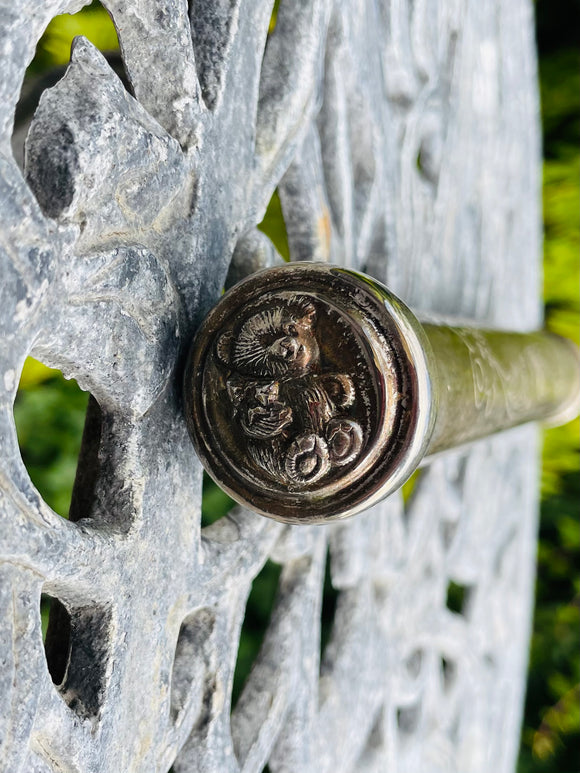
{"points": [[403, 139]]}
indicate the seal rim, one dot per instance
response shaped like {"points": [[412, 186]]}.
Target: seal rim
{"points": [[394, 336]]}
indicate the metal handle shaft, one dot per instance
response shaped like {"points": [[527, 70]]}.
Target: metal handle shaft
{"points": [[486, 381], [312, 392]]}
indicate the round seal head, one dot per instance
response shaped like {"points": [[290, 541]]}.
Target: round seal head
{"points": [[307, 392]]}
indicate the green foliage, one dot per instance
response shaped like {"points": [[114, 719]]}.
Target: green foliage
{"points": [[560, 101], [93, 22], [273, 226], [561, 196], [551, 733], [258, 610], [34, 373], [551, 727], [49, 418], [215, 502], [562, 243]]}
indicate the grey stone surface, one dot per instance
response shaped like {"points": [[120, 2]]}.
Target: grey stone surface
{"points": [[403, 139]]}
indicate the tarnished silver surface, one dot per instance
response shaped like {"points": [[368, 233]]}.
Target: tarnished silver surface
{"points": [[312, 392], [403, 140]]}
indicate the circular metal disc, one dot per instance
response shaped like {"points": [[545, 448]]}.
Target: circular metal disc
{"points": [[306, 392]]}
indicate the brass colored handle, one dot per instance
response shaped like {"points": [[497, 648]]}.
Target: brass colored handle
{"points": [[312, 392]]}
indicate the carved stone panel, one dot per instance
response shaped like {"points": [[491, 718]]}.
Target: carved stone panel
{"points": [[402, 138]]}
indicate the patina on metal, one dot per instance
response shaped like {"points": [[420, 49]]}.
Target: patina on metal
{"points": [[312, 391]]}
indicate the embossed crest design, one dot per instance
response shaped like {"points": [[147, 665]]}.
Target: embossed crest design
{"points": [[295, 418], [299, 391]]}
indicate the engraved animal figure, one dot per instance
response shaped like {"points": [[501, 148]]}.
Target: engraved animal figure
{"points": [[260, 412], [276, 341], [292, 416]]}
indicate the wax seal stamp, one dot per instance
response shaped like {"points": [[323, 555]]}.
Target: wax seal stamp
{"points": [[312, 392]]}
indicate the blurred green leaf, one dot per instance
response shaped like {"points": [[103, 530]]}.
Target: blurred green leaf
{"points": [[274, 227], [49, 417], [560, 101], [562, 247], [215, 503], [93, 22], [35, 372], [258, 611]]}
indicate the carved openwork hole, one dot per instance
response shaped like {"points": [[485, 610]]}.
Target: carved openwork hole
{"points": [[274, 226], [408, 718], [410, 492], [257, 617], [49, 413], [458, 598], [328, 612], [448, 530], [192, 665], [215, 503], [76, 648], [274, 17], [52, 57], [414, 663], [56, 634], [410, 485], [448, 673]]}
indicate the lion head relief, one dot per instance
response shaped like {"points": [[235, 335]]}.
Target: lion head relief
{"points": [[278, 341]]}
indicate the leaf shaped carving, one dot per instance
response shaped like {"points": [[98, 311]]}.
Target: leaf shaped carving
{"points": [[95, 158], [120, 310], [100, 164]]}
